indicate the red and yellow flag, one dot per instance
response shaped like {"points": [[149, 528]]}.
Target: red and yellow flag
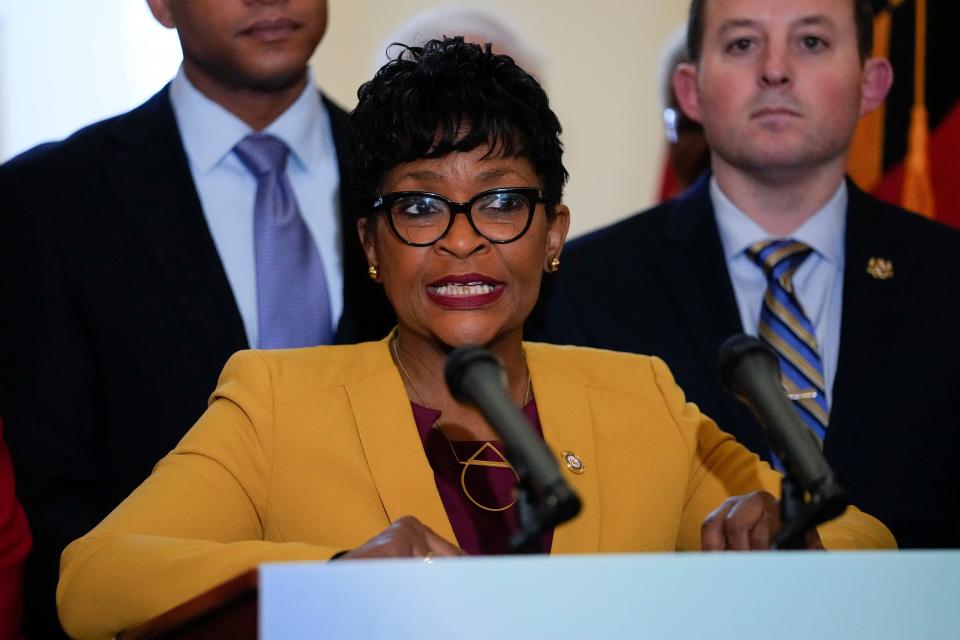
{"points": [[908, 152]]}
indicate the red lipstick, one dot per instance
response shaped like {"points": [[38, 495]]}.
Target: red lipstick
{"points": [[466, 291]]}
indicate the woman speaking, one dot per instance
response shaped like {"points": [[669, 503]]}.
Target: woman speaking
{"points": [[360, 451]]}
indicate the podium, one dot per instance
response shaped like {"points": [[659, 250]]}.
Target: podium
{"points": [[879, 595]]}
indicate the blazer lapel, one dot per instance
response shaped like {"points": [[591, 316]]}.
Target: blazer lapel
{"points": [[564, 409], [694, 270], [168, 223], [403, 475], [871, 314], [393, 449], [366, 313]]}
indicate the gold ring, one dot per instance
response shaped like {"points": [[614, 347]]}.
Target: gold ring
{"points": [[428, 558]]}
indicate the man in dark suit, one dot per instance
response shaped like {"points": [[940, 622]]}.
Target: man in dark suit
{"points": [[779, 86], [127, 264]]}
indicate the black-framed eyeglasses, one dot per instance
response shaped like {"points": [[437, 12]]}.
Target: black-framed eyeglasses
{"points": [[421, 218]]}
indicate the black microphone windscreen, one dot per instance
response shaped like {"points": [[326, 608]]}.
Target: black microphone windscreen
{"points": [[460, 361], [732, 354]]}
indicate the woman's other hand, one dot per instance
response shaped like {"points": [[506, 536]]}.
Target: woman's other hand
{"points": [[405, 538], [746, 523]]}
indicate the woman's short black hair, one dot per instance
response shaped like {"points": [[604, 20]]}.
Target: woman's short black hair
{"points": [[450, 95]]}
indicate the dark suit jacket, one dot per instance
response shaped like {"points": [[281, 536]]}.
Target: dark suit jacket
{"points": [[118, 317], [657, 283]]}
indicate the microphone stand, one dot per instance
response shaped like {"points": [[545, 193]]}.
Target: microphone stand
{"points": [[792, 535], [799, 515], [544, 499], [810, 493], [538, 511], [530, 525]]}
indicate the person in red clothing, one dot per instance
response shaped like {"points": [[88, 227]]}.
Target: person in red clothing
{"points": [[14, 546]]}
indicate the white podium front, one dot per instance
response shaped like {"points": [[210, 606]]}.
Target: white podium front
{"points": [[895, 595]]}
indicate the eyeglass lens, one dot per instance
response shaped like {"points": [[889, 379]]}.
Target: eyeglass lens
{"points": [[423, 219]]}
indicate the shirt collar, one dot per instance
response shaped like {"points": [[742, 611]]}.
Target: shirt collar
{"points": [[823, 231], [210, 132]]}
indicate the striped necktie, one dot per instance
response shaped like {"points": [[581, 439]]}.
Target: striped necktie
{"points": [[786, 328]]}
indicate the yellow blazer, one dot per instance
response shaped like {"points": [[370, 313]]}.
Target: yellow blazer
{"points": [[307, 452]]}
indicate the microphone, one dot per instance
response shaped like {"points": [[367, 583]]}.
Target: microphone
{"points": [[475, 376], [751, 371]]}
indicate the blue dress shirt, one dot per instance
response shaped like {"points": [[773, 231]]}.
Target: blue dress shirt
{"points": [[227, 189], [818, 282]]}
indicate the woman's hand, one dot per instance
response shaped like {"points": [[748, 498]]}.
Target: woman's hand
{"points": [[405, 538], [746, 523]]}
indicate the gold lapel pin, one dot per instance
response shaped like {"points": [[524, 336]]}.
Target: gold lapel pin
{"points": [[880, 268], [572, 461]]}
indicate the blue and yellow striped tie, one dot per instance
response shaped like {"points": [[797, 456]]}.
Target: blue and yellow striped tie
{"points": [[786, 328]]}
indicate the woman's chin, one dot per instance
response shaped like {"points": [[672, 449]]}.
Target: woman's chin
{"points": [[469, 334]]}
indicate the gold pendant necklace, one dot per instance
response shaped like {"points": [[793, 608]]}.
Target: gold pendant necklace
{"points": [[473, 460]]}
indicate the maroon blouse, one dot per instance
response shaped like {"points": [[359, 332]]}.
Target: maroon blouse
{"points": [[455, 466]]}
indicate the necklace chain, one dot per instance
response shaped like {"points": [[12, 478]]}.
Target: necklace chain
{"points": [[473, 460], [396, 354], [403, 370]]}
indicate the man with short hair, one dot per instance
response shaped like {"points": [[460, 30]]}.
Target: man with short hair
{"points": [[857, 298], [142, 251]]}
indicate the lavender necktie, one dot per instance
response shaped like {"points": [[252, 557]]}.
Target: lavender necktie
{"points": [[293, 305]]}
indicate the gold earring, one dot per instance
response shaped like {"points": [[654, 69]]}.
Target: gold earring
{"points": [[373, 273], [554, 265]]}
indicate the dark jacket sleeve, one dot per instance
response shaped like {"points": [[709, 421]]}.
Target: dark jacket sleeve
{"points": [[47, 377]]}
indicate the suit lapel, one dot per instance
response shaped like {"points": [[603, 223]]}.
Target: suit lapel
{"points": [[366, 313], [167, 222], [564, 409], [393, 449], [694, 272], [871, 314], [403, 475]]}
